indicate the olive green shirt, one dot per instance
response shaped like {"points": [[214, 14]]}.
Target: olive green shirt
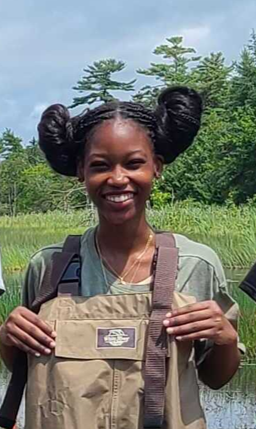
{"points": [[199, 273]]}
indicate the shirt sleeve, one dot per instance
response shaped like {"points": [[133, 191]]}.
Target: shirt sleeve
{"points": [[30, 285], [35, 273], [219, 293]]}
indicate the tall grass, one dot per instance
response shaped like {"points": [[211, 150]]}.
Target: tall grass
{"points": [[231, 231], [12, 296]]}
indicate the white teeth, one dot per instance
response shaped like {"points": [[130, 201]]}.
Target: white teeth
{"points": [[119, 198]]}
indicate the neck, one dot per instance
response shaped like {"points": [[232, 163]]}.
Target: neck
{"points": [[124, 238]]}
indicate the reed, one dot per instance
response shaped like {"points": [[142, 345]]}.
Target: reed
{"points": [[230, 231]]}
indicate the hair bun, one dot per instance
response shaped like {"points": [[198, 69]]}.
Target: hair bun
{"points": [[178, 113], [56, 140]]}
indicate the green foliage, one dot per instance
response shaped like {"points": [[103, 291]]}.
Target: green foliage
{"points": [[98, 82], [28, 184], [244, 82], [229, 229], [159, 198], [218, 168], [212, 79], [175, 71], [10, 145]]}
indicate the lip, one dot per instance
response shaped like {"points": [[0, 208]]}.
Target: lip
{"points": [[117, 193], [119, 205]]}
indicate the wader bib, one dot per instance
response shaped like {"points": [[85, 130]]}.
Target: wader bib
{"points": [[114, 367]]}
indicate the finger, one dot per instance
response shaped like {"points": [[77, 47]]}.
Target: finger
{"points": [[207, 334], [27, 341], [198, 306], [35, 320], [188, 318], [35, 332], [21, 346], [191, 327]]}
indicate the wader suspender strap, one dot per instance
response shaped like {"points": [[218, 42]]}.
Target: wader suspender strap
{"points": [[52, 284], [14, 393], [156, 355]]}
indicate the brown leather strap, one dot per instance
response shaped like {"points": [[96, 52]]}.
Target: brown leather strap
{"points": [[14, 393], [51, 285], [155, 367]]}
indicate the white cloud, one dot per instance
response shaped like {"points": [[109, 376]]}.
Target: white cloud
{"points": [[44, 48], [38, 110], [197, 35]]}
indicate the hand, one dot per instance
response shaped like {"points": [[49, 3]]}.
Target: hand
{"points": [[26, 331], [200, 321]]}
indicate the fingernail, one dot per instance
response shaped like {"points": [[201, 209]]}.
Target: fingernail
{"points": [[166, 322], [179, 338], [52, 344], [169, 330], [37, 354], [47, 351], [168, 315], [54, 334]]}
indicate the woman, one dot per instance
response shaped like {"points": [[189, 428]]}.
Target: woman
{"points": [[117, 150]]}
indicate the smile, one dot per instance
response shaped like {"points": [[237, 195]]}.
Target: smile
{"points": [[119, 198]]}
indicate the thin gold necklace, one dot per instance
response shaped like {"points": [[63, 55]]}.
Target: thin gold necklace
{"points": [[137, 261], [106, 280]]}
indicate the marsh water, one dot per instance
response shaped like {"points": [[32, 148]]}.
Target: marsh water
{"points": [[232, 407]]}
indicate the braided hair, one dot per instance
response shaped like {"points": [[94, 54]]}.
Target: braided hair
{"points": [[172, 127]]}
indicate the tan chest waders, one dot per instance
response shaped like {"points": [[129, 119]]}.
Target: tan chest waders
{"points": [[114, 367]]}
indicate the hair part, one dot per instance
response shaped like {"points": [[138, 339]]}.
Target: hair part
{"points": [[172, 127]]}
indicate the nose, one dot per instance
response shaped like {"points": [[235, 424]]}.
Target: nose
{"points": [[118, 177]]}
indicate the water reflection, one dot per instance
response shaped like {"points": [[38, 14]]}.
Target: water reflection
{"points": [[233, 406]]}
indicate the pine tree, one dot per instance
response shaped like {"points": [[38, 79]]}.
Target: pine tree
{"points": [[212, 80], [175, 71], [98, 84]]}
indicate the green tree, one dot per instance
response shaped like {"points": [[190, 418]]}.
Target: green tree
{"points": [[244, 82], [10, 145], [98, 84], [175, 71], [211, 78]]}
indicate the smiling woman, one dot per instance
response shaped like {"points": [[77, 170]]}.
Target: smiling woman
{"points": [[114, 344]]}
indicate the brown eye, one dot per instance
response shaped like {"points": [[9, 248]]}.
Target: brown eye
{"points": [[136, 163], [98, 165]]}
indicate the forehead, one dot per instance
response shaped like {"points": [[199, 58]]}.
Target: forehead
{"points": [[125, 133]]}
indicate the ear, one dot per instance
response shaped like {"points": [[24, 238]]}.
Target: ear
{"points": [[80, 172], [158, 166]]}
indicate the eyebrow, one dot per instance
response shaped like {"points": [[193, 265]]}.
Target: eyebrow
{"points": [[106, 154]]}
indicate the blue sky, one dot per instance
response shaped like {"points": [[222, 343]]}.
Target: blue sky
{"points": [[45, 45]]}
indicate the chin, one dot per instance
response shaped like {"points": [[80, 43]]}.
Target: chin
{"points": [[120, 218]]}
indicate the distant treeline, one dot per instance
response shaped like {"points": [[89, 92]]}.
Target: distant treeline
{"points": [[219, 168]]}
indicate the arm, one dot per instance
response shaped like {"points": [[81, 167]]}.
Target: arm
{"points": [[219, 365], [7, 354], [23, 329]]}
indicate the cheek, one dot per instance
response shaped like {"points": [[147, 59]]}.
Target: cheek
{"points": [[91, 183], [145, 181]]}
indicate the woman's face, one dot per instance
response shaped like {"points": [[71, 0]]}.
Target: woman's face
{"points": [[118, 170]]}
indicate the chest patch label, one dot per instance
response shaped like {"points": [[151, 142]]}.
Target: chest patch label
{"points": [[124, 338]]}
